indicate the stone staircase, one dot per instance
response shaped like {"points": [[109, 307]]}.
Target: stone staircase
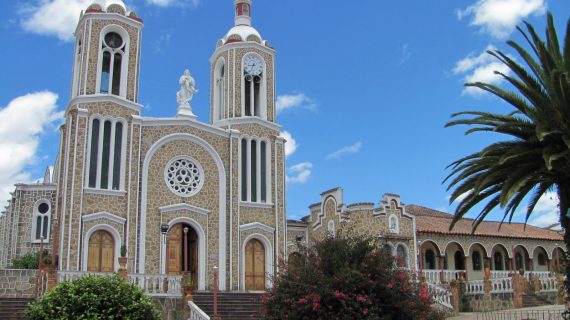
{"points": [[13, 308], [532, 300], [231, 305]]}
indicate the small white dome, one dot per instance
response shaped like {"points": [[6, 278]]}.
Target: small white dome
{"points": [[242, 31], [106, 3]]}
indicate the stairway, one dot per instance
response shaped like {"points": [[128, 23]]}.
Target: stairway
{"points": [[532, 300], [231, 305], [12, 308]]}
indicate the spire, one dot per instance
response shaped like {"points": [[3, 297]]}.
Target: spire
{"points": [[243, 12]]}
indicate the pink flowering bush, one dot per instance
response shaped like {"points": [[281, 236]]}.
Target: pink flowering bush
{"points": [[346, 278]]}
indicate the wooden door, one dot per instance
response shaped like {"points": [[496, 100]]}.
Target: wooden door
{"points": [[254, 265], [173, 250], [101, 252]]}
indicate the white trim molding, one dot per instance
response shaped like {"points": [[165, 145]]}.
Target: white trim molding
{"points": [[97, 98], [183, 206], [103, 215], [202, 254], [116, 238], [229, 122], [256, 225], [268, 259]]}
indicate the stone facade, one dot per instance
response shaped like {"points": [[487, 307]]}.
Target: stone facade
{"points": [[18, 283]]}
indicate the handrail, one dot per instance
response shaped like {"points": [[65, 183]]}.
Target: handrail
{"points": [[196, 313]]}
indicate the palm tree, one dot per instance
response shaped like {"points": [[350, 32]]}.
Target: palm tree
{"points": [[535, 158]]}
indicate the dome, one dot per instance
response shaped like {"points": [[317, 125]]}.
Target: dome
{"points": [[106, 3], [243, 32]]}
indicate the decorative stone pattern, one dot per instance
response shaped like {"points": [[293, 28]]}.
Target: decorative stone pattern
{"points": [[18, 283]]}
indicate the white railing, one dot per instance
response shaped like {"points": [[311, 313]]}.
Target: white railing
{"points": [[196, 313], [42, 283], [157, 285], [451, 275], [154, 285], [501, 285], [474, 287], [540, 274], [500, 274], [548, 285], [432, 276], [440, 295]]}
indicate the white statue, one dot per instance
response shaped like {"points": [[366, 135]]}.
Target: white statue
{"points": [[185, 94]]}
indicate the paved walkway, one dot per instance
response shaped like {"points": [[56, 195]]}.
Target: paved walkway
{"points": [[513, 312]]}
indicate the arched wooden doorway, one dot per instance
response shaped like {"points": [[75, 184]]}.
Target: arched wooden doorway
{"points": [[101, 252], [254, 265], [182, 250]]}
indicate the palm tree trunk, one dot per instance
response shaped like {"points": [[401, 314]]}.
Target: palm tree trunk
{"points": [[564, 197]]}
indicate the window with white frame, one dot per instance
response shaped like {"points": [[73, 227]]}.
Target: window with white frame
{"points": [[106, 154], [77, 66], [113, 50], [402, 256], [253, 84], [219, 90], [255, 170], [41, 221], [394, 224]]}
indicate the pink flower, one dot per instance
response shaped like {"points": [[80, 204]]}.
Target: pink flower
{"points": [[423, 293], [390, 285], [303, 300], [340, 295], [361, 298], [316, 304], [365, 311]]}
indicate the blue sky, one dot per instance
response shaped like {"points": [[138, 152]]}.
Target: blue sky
{"points": [[364, 87]]}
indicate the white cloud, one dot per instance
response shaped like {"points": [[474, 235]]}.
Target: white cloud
{"points": [[405, 54], [291, 145], [174, 3], [54, 17], [300, 173], [546, 211], [354, 148], [480, 68], [22, 122], [294, 101], [500, 17]]}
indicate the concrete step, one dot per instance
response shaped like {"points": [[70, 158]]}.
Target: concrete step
{"points": [[231, 305]]}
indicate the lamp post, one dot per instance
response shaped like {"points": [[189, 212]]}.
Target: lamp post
{"points": [[215, 293], [163, 231], [185, 249]]}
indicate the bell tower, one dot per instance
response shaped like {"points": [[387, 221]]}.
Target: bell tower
{"points": [[242, 70], [107, 52]]}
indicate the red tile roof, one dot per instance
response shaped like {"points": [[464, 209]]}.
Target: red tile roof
{"points": [[433, 221]]}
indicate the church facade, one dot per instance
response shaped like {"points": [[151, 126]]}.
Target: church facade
{"points": [[177, 195]]}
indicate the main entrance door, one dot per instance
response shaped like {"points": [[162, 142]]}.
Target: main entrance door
{"points": [[101, 252], [182, 250], [254, 265]]}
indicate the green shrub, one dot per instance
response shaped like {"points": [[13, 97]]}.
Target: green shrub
{"points": [[93, 297], [346, 278], [29, 260]]}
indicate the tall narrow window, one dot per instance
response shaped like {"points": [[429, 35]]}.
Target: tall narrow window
{"points": [[219, 91], [255, 171], [40, 227], [77, 67], [113, 49], [254, 165], [263, 167], [402, 256], [430, 259], [253, 80], [498, 257], [106, 154], [476, 260]]}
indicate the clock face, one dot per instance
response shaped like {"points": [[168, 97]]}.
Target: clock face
{"points": [[253, 65]]}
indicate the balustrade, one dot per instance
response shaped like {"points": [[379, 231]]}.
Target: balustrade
{"points": [[440, 295], [501, 285], [474, 287], [196, 313]]}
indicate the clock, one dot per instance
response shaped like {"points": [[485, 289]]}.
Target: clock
{"points": [[253, 65]]}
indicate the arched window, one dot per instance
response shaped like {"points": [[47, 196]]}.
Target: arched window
{"points": [[106, 154], [476, 257], [254, 83], [498, 260], [255, 170], [402, 256], [519, 261], [458, 260], [541, 259], [41, 221], [219, 90], [77, 66], [430, 259], [394, 226], [113, 50], [331, 229]]}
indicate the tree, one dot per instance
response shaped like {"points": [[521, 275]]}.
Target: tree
{"points": [[346, 278], [536, 157], [93, 297]]}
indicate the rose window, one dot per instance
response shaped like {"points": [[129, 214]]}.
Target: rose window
{"points": [[184, 176]]}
